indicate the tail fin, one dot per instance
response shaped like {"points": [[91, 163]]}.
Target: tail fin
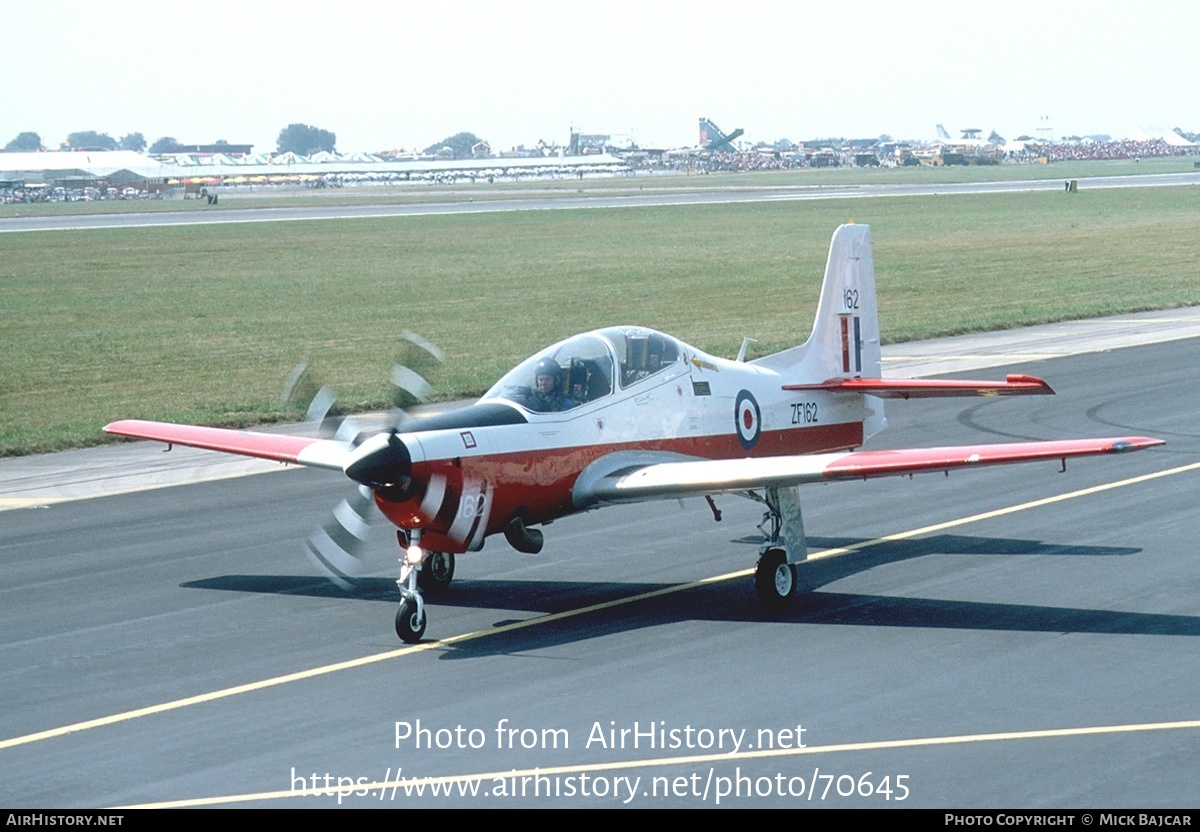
{"points": [[942, 134], [845, 337], [712, 139]]}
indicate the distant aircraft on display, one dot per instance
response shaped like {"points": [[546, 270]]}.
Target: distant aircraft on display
{"points": [[970, 147], [628, 414], [713, 140]]}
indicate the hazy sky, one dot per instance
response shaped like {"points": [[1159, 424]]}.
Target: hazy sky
{"points": [[401, 74]]}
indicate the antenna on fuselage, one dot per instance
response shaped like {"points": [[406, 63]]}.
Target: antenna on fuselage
{"points": [[746, 342]]}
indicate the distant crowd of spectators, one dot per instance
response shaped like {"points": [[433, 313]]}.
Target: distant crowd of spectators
{"points": [[736, 162], [9, 196], [1051, 151], [46, 193], [1126, 149]]}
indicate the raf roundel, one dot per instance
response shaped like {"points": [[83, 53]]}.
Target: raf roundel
{"points": [[748, 418]]}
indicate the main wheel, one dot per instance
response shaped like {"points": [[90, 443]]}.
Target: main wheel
{"points": [[437, 572], [775, 579], [410, 624]]}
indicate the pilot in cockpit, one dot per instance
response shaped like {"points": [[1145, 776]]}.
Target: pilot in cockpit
{"points": [[548, 396]]}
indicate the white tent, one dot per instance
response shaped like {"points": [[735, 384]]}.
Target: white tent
{"points": [[1169, 136]]}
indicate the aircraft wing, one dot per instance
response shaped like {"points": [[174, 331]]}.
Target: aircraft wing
{"points": [[928, 388], [298, 450], [662, 480]]}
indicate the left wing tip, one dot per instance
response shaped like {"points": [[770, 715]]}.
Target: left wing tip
{"points": [[137, 428], [120, 427]]}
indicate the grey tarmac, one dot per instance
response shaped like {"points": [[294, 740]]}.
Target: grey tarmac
{"points": [[1005, 637]]}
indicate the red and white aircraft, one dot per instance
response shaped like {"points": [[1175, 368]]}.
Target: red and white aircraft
{"points": [[626, 414]]}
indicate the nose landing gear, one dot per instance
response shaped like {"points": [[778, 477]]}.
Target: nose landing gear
{"points": [[419, 570]]}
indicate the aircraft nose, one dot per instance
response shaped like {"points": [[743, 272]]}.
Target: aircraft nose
{"points": [[383, 461]]}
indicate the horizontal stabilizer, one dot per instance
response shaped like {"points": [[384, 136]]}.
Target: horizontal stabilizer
{"points": [[930, 388], [677, 479], [300, 450]]}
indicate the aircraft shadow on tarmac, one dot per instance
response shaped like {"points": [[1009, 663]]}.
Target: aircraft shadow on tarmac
{"points": [[735, 601]]}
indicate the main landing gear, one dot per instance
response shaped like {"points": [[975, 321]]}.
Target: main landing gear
{"points": [[775, 579], [419, 570], [782, 548], [436, 572]]}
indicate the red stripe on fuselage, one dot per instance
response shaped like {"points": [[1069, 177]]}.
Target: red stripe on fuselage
{"points": [[537, 484]]}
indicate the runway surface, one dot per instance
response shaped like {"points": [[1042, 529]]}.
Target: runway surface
{"points": [[659, 193], [1009, 637]]}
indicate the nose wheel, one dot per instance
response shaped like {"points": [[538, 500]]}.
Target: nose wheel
{"points": [[410, 620]]}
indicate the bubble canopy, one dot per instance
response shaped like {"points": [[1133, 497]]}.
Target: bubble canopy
{"points": [[587, 368]]}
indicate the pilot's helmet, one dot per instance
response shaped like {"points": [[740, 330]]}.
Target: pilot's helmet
{"points": [[547, 367]]}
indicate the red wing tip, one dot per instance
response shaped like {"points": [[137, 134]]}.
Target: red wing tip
{"points": [[130, 427], [1038, 383], [1135, 443]]}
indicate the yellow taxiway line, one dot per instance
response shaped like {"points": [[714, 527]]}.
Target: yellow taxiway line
{"points": [[378, 790], [375, 658]]}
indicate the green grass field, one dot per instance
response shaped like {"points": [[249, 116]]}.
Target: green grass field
{"points": [[205, 323]]}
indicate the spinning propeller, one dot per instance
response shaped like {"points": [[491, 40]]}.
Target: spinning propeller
{"points": [[381, 458]]}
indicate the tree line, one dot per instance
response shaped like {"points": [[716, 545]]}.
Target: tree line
{"points": [[301, 139]]}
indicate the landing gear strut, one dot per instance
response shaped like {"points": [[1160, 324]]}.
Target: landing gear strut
{"points": [[420, 571], [410, 617], [782, 548]]}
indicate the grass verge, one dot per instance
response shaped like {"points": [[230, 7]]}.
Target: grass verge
{"points": [[204, 323]]}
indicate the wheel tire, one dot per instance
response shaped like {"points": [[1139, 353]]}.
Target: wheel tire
{"points": [[775, 579], [437, 572], [410, 625]]}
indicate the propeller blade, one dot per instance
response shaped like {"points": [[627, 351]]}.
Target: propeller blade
{"points": [[417, 360], [411, 382], [335, 547], [296, 384], [415, 341], [321, 404], [320, 412], [350, 430]]}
